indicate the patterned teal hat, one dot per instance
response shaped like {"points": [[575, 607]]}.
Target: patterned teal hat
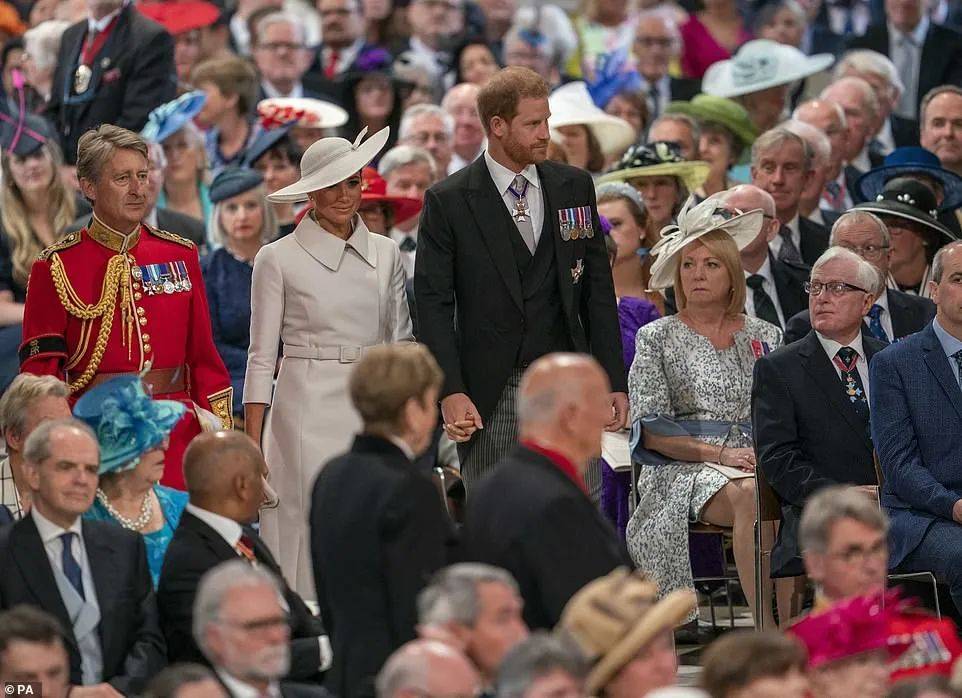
{"points": [[127, 422]]}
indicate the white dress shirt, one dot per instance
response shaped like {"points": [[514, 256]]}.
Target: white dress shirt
{"points": [[861, 17], [663, 90], [238, 689], [907, 57], [816, 216], [50, 535], [776, 245], [831, 348], [345, 57], [768, 285], [271, 92], [862, 161], [403, 445], [228, 529], [503, 177], [9, 494], [98, 25], [231, 532], [407, 256], [885, 318], [458, 163]]}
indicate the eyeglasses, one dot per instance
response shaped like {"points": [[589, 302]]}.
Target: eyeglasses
{"points": [[870, 252], [654, 42], [275, 46], [259, 624], [859, 555], [834, 288]]}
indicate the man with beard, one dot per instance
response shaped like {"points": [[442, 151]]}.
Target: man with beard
{"points": [[122, 297], [242, 626], [511, 265]]}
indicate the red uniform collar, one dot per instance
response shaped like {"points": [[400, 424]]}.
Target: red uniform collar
{"points": [[562, 462]]}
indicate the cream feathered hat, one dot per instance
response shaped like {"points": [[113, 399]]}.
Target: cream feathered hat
{"points": [[694, 221]]}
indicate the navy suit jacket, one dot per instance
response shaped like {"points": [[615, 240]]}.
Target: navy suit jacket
{"points": [[5, 515], [916, 415]]}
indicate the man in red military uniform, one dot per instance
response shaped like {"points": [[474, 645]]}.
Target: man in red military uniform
{"points": [[122, 297]]}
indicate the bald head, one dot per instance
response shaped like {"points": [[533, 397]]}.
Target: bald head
{"points": [[564, 403], [829, 118], [748, 197], [223, 473], [462, 92], [427, 667]]}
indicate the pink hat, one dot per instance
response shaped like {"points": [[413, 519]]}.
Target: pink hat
{"points": [[848, 628]]}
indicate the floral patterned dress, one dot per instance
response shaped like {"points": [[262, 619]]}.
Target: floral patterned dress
{"points": [[679, 375]]}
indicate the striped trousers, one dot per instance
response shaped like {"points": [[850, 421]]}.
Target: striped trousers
{"points": [[500, 434]]}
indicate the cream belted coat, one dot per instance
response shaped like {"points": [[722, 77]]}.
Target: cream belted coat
{"points": [[325, 299]]}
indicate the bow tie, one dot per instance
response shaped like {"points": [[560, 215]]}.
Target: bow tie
{"points": [[408, 244]]}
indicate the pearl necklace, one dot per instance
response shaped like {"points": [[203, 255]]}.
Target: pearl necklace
{"points": [[138, 524]]}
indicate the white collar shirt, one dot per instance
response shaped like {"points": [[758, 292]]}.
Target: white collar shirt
{"points": [[831, 348], [768, 285], [503, 178]]}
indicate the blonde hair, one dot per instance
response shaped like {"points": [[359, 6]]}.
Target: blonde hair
{"points": [[269, 228], [386, 377], [97, 146], [25, 246], [22, 393], [721, 245]]}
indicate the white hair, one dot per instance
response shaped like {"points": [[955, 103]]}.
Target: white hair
{"points": [[817, 140], [560, 38], [273, 18], [401, 155], [419, 110], [868, 276], [835, 106], [216, 584], [865, 60], [859, 217], [452, 596], [869, 98], [42, 42]]}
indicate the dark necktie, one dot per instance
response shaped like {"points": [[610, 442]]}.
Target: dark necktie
{"points": [[875, 323], [71, 568], [788, 251], [958, 362], [408, 244], [764, 306], [836, 197], [653, 98], [847, 361]]}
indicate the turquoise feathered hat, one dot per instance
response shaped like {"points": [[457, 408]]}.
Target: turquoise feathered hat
{"points": [[126, 420], [167, 119]]}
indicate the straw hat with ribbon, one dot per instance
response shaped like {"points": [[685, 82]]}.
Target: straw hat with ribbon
{"points": [[695, 221], [612, 618], [760, 64], [571, 105], [660, 158], [719, 110], [329, 161]]}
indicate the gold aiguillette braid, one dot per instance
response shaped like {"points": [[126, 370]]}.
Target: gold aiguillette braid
{"points": [[104, 308]]}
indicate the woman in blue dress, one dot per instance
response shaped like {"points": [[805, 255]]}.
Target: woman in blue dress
{"points": [[132, 430], [242, 223]]}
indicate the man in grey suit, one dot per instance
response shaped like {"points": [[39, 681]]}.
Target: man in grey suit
{"points": [[91, 575]]}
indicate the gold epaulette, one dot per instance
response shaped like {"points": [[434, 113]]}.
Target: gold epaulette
{"points": [[68, 240], [163, 234]]}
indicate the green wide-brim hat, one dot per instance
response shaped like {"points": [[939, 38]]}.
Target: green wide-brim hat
{"points": [[719, 110]]}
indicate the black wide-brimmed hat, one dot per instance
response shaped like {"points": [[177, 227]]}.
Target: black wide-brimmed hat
{"points": [[910, 200]]}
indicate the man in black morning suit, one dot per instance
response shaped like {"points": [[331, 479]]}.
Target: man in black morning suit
{"points": [[91, 575], [223, 474], [113, 67], [810, 414], [511, 265], [937, 56]]}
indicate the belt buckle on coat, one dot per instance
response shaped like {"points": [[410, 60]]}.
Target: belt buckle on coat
{"points": [[348, 355]]}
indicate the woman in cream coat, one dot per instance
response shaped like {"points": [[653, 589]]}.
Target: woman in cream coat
{"points": [[327, 292]]}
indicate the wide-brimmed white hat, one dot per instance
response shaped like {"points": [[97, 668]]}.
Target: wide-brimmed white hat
{"points": [[571, 105], [303, 111], [761, 64], [694, 221], [329, 161]]}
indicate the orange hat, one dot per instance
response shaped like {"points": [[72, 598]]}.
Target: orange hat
{"points": [[10, 21], [181, 17]]}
